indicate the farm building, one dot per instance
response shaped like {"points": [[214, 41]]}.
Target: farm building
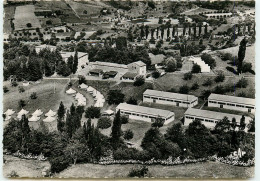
{"points": [[110, 74], [232, 102], [96, 72], [156, 60], [210, 118], [145, 113], [169, 98], [109, 66], [41, 47], [137, 67], [129, 76]]}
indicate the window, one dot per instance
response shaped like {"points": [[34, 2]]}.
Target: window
{"points": [[199, 119], [249, 107], [147, 97], [222, 103], [230, 104], [240, 105]]}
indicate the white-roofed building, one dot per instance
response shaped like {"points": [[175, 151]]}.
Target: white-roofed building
{"points": [[169, 98], [137, 67], [33, 118], [83, 86], [210, 118], [232, 102], [51, 113], [9, 112], [205, 68], [70, 91], [40, 47], [38, 112], [22, 112], [49, 119], [145, 113]]}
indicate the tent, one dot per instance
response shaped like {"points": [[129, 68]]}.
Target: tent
{"points": [[79, 96], [71, 91], [34, 118], [83, 86], [22, 112], [82, 103], [7, 117], [50, 113], [38, 112], [26, 84], [90, 89], [9, 112], [49, 119]]}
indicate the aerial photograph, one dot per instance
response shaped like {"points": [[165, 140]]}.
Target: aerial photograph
{"points": [[128, 89]]}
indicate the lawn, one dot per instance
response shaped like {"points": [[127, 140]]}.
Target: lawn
{"points": [[8, 15], [46, 98], [198, 170]]}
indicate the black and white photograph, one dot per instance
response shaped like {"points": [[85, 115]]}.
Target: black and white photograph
{"points": [[128, 89]]}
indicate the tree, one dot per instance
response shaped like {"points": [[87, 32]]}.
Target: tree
{"points": [[5, 89], [61, 111], [194, 30], [233, 123], [207, 82], [121, 43], [156, 74], [33, 95], [132, 100], [251, 126], [75, 150], [158, 122], [115, 97], [128, 134], [207, 58], [116, 130], [175, 134], [75, 63], [242, 83], [124, 119], [220, 77], [59, 163], [35, 72], [223, 125], [139, 80], [162, 32], [206, 29], [92, 112], [196, 68], [187, 76], [171, 65], [142, 32], [242, 123], [70, 63], [21, 103], [194, 86], [160, 20], [184, 89], [146, 31], [104, 123], [241, 54]]}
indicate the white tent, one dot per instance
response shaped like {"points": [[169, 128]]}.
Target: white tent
{"points": [[22, 112], [82, 103], [49, 119], [83, 86], [50, 113], [90, 89], [34, 118], [71, 91], [8, 117], [38, 112], [9, 112], [26, 84], [79, 96]]}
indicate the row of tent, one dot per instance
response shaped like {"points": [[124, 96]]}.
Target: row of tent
{"points": [[35, 116]]}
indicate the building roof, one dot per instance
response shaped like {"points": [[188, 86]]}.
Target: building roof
{"points": [[212, 114], [109, 64], [68, 54], [145, 110], [156, 59], [170, 95], [45, 46], [233, 99], [98, 71], [129, 75], [139, 63], [111, 73]]}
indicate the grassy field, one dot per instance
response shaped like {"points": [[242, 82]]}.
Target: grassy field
{"points": [[198, 170], [8, 15], [92, 10]]}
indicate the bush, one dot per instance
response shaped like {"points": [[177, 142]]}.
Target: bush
{"points": [[231, 69], [196, 68], [13, 174], [33, 95], [207, 82], [124, 119], [14, 84], [194, 86], [207, 58], [139, 81], [156, 74], [115, 97], [184, 89], [104, 123], [128, 134], [92, 112], [242, 83], [140, 171], [220, 77], [219, 90], [227, 56], [132, 100], [21, 89], [205, 94], [21, 103], [188, 76], [59, 163], [5, 89], [246, 67], [242, 94]]}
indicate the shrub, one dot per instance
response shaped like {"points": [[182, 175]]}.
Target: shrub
{"points": [[227, 56], [231, 69], [205, 94], [29, 25], [132, 100], [14, 84], [104, 123], [13, 174], [219, 90], [242, 83], [33, 95], [21, 89], [59, 163], [247, 67], [115, 97], [229, 88], [220, 77], [207, 58], [242, 94], [194, 86], [21, 103], [196, 68], [92, 112], [139, 81], [188, 76], [5, 89], [128, 134], [156, 74], [184, 89], [207, 82], [140, 171], [124, 119]]}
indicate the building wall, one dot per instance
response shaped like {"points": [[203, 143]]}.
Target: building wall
{"points": [[137, 69], [243, 109], [169, 102]]}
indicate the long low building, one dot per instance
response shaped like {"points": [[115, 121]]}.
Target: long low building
{"points": [[145, 113], [169, 98], [210, 118], [232, 102]]}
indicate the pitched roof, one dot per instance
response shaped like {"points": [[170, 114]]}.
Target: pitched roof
{"points": [[145, 110], [233, 99], [212, 114], [170, 95], [68, 54], [129, 75], [109, 64], [139, 63], [98, 71]]}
